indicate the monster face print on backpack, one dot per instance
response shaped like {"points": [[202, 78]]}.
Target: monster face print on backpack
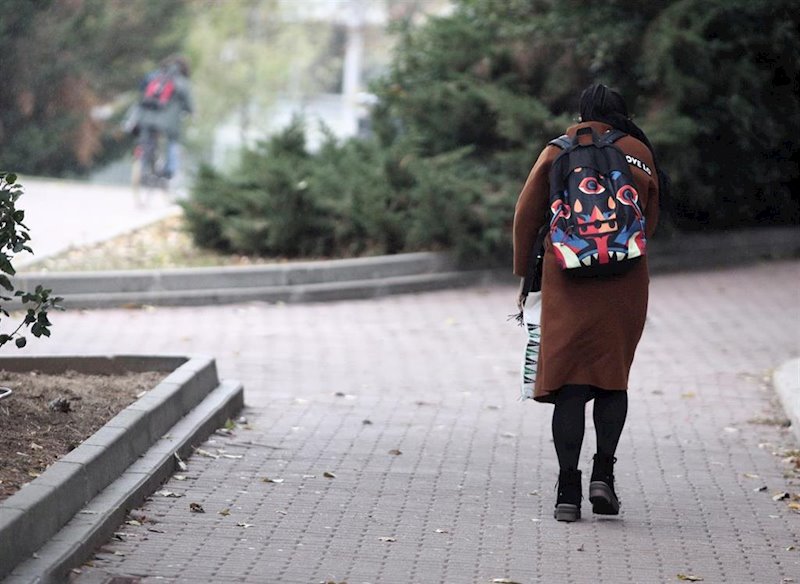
{"points": [[596, 224]]}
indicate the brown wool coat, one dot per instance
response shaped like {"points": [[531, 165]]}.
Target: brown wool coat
{"points": [[590, 326]]}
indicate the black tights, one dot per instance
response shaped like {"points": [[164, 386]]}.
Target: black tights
{"points": [[569, 420]]}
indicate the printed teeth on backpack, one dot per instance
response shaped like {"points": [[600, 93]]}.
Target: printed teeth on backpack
{"points": [[594, 258]]}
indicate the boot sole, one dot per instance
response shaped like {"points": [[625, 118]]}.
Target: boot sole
{"points": [[567, 512], [603, 500]]}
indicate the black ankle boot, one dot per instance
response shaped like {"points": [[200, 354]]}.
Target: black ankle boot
{"points": [[601, 488], [568, 502]]}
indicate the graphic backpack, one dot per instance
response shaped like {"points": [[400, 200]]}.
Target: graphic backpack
{"points": [[158, 91], [596, 225]]}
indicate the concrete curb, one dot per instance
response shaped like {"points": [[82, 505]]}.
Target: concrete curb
{"points": [[786, 381], [37, 512], [318, 292], [316, 281], [286, 282], [699, 251]]}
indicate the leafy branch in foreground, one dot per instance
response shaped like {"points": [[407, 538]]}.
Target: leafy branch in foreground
{"points": [[14, 238]]}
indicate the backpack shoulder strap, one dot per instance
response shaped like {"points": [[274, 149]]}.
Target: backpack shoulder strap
{"points": [[612, 136], [562, 142]]}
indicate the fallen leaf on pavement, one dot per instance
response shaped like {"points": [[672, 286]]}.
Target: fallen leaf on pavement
{"points": [[179, 477], [760, 489], [225, 512], [688, 395], [504, 581], [780, 496], [580, 548], [750, 475], [794, 505], [206, 453], [196, 508], [245, 525], [132, 522], [269, 480], [141, 517], [395, 452], [329, 475], [234, 456], [442, 531], [172, 494], [366, 422], [688, 578], [387, 539]]}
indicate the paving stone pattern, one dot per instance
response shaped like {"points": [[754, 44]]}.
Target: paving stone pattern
{"points": [[339, 387]]}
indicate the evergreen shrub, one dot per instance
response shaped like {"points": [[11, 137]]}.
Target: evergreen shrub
{"points": [[347, 199]]}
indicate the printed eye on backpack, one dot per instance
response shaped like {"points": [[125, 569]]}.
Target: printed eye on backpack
{"points": [[597, 226]]}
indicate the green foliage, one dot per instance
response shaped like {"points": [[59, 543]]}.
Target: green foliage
{"points": [[348, 199], [269, 208], [714, 84], [61, 59], [727, 113], [243, 54], [14, 238]]}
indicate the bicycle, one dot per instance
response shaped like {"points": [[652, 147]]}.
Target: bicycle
{"points": [[149, 157]]}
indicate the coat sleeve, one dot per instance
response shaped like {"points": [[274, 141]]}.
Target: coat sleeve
{"points": [[652, 208], [531, 210]]}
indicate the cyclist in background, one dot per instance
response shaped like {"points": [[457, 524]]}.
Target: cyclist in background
{"points": [[166, 97]]}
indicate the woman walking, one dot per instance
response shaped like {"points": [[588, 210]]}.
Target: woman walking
{"points": [[590, 325]]}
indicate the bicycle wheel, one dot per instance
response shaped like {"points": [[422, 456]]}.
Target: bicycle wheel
{"points": [[136, 174]]}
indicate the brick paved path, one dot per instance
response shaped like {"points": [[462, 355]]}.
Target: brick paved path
{"points": [[469, 499]]}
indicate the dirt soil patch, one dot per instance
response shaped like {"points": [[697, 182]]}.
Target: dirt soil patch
{"points": [[49, 415]]}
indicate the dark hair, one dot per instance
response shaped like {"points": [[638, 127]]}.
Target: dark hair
{"points": [[182, 63], [599, 103]]}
